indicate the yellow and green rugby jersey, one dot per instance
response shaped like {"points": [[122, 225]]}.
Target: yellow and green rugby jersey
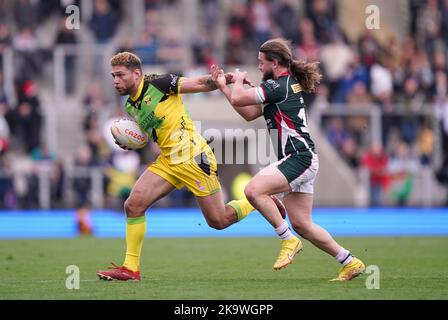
{"points": [[159, 110]]}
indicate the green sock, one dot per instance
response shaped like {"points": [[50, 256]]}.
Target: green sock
{"points": [[242, 208]]}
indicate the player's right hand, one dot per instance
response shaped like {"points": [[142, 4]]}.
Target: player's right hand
{"points": [[245, 80], [230, 77], [218, 76]]}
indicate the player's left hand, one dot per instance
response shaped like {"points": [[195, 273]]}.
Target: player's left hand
{"points": [[218, 76], [237, 73]]}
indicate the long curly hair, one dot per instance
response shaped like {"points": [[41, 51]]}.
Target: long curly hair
{"points": [[306, 73]]}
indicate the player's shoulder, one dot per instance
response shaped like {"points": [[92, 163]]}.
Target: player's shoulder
{"points": [[167, 83], [157, 77], [280, 83], [149, 78], [274, 87]]}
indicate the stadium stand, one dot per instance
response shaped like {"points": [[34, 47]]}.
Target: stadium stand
{"points": [[380, 116]]}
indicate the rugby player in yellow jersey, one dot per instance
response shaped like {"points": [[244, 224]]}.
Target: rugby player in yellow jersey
{"points": [[186, 159]]}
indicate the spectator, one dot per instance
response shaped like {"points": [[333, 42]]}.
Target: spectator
{"points": [[369, 49], [82, 185], [337, 133], [152, 24], [3, 97], [321, 101], [428, 25], [26, 120], [323, 15], [238, 22], [376, 161], [103, 22], [122, 174], [28, 123], [95, 140], [440, 71], [4, 126], [26, 44], [67, 37], [359, 94], [286, 19], [359, 99], [308, 48], [357, 74], [382, 83], [444, 26], [338, 51], [171, 51], [402, 168], [5, 40], [261, 21], [151, 4], [349, 152], [210, 13], [235, 54], [425, 143], [147, 48], [25, 14], [413, 101], [8, 197]]}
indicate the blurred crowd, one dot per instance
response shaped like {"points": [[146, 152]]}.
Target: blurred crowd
{"points": [[406, 79]]}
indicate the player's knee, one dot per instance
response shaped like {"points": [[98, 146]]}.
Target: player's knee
{"points": [[133, 207], [216, 224], [303, 229], [250, 193]]}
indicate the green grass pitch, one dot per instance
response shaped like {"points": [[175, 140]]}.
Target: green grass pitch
{"points": [[222, 268]]}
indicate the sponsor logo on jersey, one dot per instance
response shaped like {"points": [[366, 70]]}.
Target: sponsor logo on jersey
{"points": [[272, 84], [147, 100], [296, 88], [174, 80]]}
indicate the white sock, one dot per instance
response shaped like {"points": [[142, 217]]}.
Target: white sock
{"points": [[344, 256], [283, 231]]}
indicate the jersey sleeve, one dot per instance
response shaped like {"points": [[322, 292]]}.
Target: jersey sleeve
{"points": [[167, 83], [270, 91]]}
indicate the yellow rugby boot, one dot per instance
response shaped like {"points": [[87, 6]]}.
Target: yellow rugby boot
{"points": [[289, 249], [351, 270]]}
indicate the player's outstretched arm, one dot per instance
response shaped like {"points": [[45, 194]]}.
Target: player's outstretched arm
{"points": [[242, 97], [248, 112], [205, 83], [197, 84]]}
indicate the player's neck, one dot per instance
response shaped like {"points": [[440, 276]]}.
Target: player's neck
{"points": [[136, 90], [281, 71]]}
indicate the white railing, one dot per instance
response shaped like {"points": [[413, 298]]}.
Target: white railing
{"points": [[44, 173], [425, 196]]}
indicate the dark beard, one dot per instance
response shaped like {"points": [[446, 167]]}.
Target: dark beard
{"points": [[126, 92], [268, 75]]}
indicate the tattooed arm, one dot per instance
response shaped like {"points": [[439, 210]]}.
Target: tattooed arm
{"points": [[204, 83]]}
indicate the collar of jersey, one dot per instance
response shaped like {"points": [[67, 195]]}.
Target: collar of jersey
{"points": [[139, 91], [284, 74]]}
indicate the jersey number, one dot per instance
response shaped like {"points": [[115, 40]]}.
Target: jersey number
{"points": [[302, 117]]}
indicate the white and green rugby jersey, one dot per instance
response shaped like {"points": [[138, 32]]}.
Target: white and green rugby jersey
{"points": [[284, 111]]}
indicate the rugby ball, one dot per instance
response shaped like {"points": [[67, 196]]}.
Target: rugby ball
{"points": [[128, 133]]}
